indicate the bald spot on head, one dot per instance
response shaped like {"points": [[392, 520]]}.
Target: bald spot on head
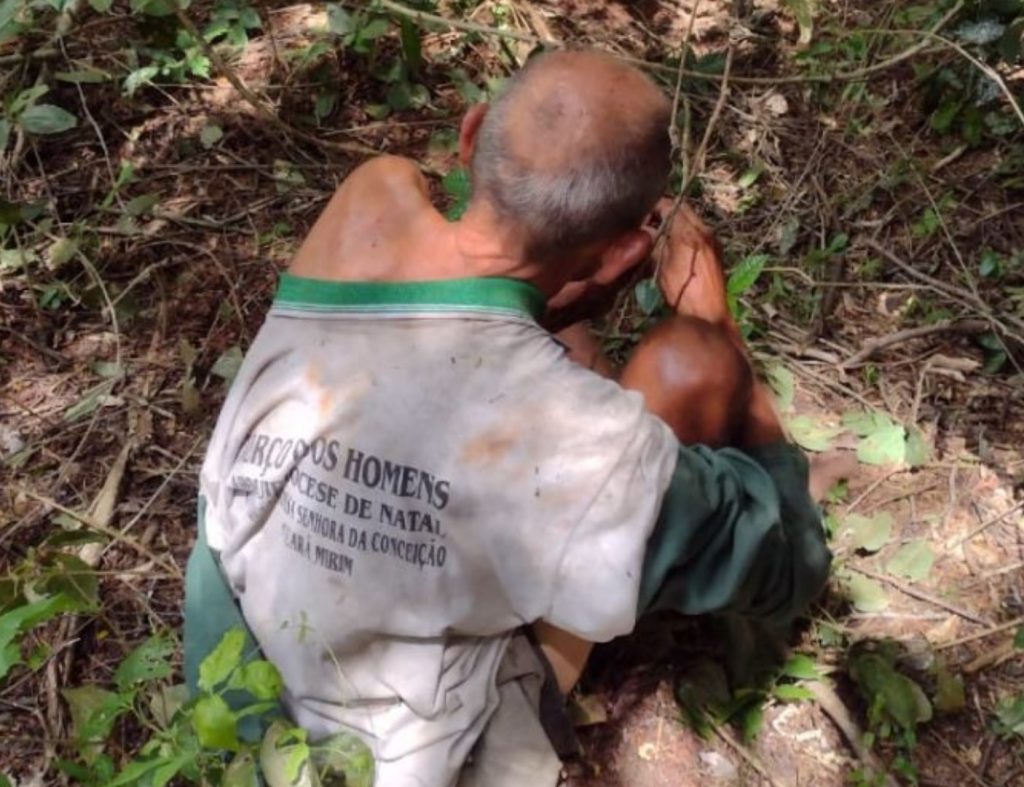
{"points": [[587, 103], [574, 150]]}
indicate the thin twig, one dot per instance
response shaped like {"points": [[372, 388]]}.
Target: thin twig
{"points": [[881, 343], [92, 524], [981, 634], [748, 756], [986, 525], [920, 595], [837, 711]]}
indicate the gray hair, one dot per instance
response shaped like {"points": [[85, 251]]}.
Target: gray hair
{"points": [[599, 193]]}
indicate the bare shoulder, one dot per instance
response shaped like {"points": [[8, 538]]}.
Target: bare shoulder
{"points": [[385, 173]]}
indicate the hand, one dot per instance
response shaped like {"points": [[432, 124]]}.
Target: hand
{"points": [[689, 261]]}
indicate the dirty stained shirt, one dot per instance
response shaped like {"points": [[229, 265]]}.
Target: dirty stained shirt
{"points": [[403, 474]]}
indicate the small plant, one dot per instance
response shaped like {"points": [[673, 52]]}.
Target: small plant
{"points": [[226, 735]]}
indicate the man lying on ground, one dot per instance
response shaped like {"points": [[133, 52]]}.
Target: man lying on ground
{"points": [[423, 502]]}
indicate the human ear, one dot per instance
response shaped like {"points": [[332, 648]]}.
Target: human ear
{"points": [[625, 253], [470, 127]]}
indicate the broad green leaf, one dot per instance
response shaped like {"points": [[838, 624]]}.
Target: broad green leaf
{"points": [[913, 560], [210, 135], [792, 693], [862, 423], [138, 78], [898, 696], [339, 21], [92, 399], [752, 722], [745, 274], [141, 205], [226, 367], [215, 724], [810, 434], [60, 253], [344, 754], [648, 296], [93, 714], [46, 119], [101, 6], [457, 186], [22, 619], [869, 533], [278, 757], [224, 659], [165, 701], [949, 692], [1018, 639], [261, 679], [865, 594], [885, 446], [1010, 714], [149, 661], [783, 383], [70, 578], [167, 770], [374, 29], [918, 452], [5, 133], [801, 667], [241, 772]]}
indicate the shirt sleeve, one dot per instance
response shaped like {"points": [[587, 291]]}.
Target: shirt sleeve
{"points": [[737, 533]]}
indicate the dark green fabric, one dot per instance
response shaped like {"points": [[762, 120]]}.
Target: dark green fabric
{"points": [[210, 612], [737, 533]]}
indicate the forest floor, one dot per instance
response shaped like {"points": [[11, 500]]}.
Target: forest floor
{"points": [[891, 282]]}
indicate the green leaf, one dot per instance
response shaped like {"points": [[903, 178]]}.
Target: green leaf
{"points": [[801, 667], [22, 619], [751, 722], [224, 659], [869, 533], [804, 11], [210, 135], [1010, 715], [149, 661], [949, 691], [746, 274], [278, 758], [138, 78], [5, 133], [215, 724], [791, 693], [241, 772], [412, 49], [864, 423], [457, 186], [46, 119], [345, 754], [141, 205], [865, 594], [374, 29], [810, 434], [990, 265], [71, 579], [339, 21], [226, 367], [101, 6], [783, 383], [1018, 639], [918, 452], [93, 714], [884, 446], [261, 679], [60, 253], [648, 296], [165, 701], [893, 693], [913, 560], [92, 399]]}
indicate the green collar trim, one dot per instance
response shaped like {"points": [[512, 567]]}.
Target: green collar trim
{"points": [[497, 295]]}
